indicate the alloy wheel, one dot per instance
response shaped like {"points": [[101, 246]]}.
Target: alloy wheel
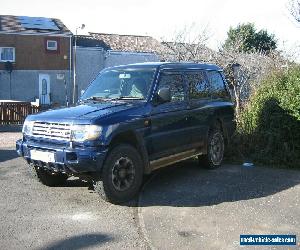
{"points": [[123, 173], [216, 148]]}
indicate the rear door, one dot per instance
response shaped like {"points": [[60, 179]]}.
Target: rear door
{"points": [[200, 109], [169, 121], [221, 101], [217, 86]]}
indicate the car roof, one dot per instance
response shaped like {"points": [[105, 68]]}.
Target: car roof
{"points": [[171, 65]]}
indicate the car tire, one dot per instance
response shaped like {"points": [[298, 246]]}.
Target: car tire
{"points": [[215, 150], [47, 178], [121, 176]]}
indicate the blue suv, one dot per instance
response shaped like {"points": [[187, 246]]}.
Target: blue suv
{"points": [[132, 120]]}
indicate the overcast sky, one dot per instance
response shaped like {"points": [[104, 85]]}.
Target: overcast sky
{"points": [[161, 18]]}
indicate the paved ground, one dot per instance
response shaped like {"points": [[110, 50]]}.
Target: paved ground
{"points": [[71, 217], [187, 208], [180, 207]]}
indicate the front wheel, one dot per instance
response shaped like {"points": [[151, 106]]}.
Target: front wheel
{"points": [[122, 175], [215, 150]]}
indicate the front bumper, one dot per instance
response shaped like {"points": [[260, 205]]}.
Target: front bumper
{"points": [[67, 160]]}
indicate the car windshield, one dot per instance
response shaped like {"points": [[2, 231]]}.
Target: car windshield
{"points": [[127, 83]]}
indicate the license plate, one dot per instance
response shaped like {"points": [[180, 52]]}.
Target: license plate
{"points": [[42, 156]]}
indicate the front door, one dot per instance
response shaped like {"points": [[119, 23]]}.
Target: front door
{"points": [[169, 121], [44, 89]]}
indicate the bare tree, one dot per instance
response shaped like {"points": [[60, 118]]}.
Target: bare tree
{"points": [[253, 67], [294, 8], [187, 44]]}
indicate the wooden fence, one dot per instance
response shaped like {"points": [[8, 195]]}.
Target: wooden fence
{"points": [[16, 112]]}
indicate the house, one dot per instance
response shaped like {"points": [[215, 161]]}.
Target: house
{"points": [[41, 59], [35, 59], [129, 43], [99, 50]]}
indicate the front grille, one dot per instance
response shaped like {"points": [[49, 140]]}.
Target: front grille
{"points": [[52, 130]]}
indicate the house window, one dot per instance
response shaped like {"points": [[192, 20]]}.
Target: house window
{"points": [[7, 54], [52, 45]]}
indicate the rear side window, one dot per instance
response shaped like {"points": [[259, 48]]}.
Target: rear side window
{"points": [[217, 86], [175, 83], [198, 85]]}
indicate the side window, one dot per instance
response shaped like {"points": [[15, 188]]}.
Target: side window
{"points": [[7, 54], [175, 83], [198, 85], [217, 86]]}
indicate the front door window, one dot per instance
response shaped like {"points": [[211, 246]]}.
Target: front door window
{"points": [[175, 83], [44, 87]]}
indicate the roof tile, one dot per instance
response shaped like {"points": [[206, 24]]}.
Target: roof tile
{"points": [[132, 43], [11, 24]]}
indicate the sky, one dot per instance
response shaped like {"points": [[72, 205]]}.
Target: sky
{"points": [[163, 18]]}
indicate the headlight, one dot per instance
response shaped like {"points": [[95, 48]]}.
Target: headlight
{"points": [[27, 127], [82, 133]]}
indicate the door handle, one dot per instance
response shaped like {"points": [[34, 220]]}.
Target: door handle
{"points": [[147, 122]]}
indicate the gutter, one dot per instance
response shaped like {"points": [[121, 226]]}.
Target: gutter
{"points": [[36, 34]]}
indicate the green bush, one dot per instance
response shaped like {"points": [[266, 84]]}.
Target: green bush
{"points": [[269, 126]]}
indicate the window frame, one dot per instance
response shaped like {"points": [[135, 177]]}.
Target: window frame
{"points": [[14, 54], [184, 85], [51, 49]]}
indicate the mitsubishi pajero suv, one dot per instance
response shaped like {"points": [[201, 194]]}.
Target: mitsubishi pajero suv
{"points": [[132, 120]]}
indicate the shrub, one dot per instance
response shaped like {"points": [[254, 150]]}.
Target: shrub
{"points": [[269, 126], [245, 38]]}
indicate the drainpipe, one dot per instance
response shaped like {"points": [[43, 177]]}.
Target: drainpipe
{"points": [[74, 61], [74, 67], [70, 69], [9, 67]]}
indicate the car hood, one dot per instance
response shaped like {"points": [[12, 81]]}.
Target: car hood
{"points": [[87, 111]]}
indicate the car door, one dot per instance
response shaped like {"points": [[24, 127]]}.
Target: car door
{"points": [[169, 121], [200, 109], [221, 101]]}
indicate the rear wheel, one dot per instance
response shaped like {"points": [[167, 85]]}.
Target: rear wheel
{"points": [[215, 150], [122, 175], [47, 178]]}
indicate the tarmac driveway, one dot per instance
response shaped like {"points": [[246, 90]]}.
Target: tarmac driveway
{"points": [[185, 207], [180, 207], [33, 216]]}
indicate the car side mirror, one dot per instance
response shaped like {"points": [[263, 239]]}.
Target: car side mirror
{"points": [[164, 95]]}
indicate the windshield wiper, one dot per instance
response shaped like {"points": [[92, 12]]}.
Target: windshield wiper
{"points": [[95, 98], [128, 98], [102, 99]]}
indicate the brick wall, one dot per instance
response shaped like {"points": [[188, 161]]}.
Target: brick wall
{"points": [[31, 52]]}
